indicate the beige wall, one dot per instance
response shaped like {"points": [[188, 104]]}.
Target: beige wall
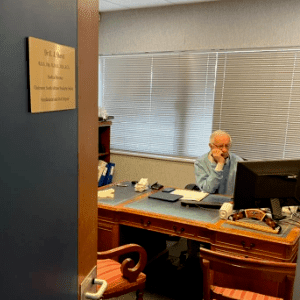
{"points": [[208, 25], [168, 173]]}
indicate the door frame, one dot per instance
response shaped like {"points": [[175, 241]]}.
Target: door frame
{"points": [[87, 62]]}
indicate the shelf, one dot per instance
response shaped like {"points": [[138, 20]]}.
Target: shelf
{"points": [[104, 140], [103, 154], [104, 123]]}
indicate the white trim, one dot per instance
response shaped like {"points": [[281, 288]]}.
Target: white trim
{"points": [[154, 156]]}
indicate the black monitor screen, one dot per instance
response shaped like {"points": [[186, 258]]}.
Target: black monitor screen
{"points": [[257, 182]]}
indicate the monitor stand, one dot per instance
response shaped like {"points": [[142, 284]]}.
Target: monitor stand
{"points": [[276, 209]]}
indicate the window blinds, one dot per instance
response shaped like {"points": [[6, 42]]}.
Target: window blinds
{"points": [[257, 102], [126, 96], [161, 103], [169, 103]]}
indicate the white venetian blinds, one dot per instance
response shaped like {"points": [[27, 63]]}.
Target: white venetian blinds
{"points": [[162, 103], [168, 104], [257, 100]]}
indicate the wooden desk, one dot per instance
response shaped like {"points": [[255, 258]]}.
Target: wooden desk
{"points": [[134, 209]]}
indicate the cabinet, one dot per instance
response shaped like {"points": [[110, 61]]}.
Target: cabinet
{"points": [[104, 140]]}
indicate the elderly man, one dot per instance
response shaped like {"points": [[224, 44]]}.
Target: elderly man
{"points": [[215, 171]]}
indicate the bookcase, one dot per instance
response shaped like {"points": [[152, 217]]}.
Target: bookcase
{"points": [[104, 140]]}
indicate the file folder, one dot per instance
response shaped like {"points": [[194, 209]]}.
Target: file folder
{"points": [[103, 176], [110, 173]]}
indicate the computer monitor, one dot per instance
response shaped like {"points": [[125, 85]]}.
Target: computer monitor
{"points": [[267, 184]]}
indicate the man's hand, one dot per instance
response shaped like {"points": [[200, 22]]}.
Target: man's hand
{"points": [[217, 155]]}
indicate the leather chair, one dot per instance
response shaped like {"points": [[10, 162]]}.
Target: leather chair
{"points": [[124, 277], [192, 186], [250, 272]]}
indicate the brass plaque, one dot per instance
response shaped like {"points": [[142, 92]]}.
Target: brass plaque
{"points": [[51, 76]]}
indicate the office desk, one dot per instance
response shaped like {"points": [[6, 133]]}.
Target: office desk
{"points": [[134, 209]]}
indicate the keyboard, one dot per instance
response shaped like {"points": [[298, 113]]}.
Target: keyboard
{"points": [[194, 203], [211, 201], [165, 196]]}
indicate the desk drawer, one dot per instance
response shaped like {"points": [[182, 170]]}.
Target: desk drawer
{"points": [[108, 235], [108, 215], [255, 248], [170, 227]]}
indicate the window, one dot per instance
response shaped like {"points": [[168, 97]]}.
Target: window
{"points": [[162, 103], [169, 103], [257, 101]]}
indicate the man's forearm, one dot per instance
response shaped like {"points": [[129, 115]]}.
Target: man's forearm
{"points": [[211, 183]]}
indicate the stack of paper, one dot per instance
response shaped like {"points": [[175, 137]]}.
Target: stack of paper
{"points": [[110, 193], [142, 185], [190, 195], [101, 166]]}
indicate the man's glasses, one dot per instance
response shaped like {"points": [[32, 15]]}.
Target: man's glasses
{"points": [[227, 146]]}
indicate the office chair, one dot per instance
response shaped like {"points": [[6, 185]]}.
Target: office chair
{"points": [[192, 186], [250, 271], [125, 277]]}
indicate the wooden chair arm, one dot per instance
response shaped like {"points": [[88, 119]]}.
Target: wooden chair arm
{"points": [[206, 279], [129, 269], [282, 268]]}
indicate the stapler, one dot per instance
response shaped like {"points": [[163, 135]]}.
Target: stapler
{"points": [[156, 186]]}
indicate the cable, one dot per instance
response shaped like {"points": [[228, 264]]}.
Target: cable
{"points": [[290, 223]]}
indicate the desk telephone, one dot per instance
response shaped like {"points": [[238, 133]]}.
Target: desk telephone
{"points": [[225, 206]]}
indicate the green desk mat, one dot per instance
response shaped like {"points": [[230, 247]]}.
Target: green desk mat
{"points": [[175, 209]]}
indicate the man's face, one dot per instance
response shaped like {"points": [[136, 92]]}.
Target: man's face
{"points": [[222, 142]]}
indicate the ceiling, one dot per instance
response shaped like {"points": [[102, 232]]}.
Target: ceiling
{"points": [[113, 5]]}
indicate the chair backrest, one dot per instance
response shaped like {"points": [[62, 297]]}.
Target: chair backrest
{"points": [[247, 268], [192, 186]]}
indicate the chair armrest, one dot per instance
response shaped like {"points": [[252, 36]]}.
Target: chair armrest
{"points": [[129, 269], [206, 279]]}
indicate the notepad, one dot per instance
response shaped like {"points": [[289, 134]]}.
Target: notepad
{"points": [[190, 194], [110, 193]]}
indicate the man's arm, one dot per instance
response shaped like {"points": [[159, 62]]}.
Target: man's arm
{"points": [[207, 179]]}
